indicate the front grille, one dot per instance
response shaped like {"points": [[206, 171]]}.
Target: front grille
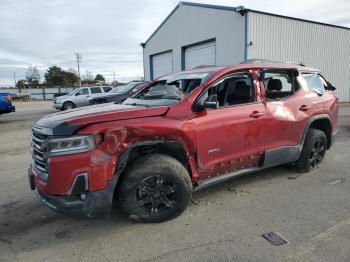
{"points": [[40, 155]]}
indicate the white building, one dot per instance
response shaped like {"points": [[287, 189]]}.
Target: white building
{"points": [[198, 34]]}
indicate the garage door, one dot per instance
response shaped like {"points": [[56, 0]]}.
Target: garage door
{"points": [[162, 64], [200, 55]]}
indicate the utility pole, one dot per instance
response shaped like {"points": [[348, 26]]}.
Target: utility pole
{"points": [[113, 76], [78, 56], [19, 86]]}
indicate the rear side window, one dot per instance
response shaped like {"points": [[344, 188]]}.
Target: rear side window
{"points": [[95, 90], [279, 84], [107, 88], [315, 82]]}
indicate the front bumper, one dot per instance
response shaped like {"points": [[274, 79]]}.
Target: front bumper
{"points": [[96, 204], [57, 105]]}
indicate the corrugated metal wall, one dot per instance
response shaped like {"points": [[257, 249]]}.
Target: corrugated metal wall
{"points": [[189, 25], [283, 39]]}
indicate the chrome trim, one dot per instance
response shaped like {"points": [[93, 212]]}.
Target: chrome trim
{"points": [[39, 153], [42, 130], [43, 199], [43, 175], [85, 175]]}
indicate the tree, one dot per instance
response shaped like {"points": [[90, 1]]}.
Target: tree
{"points": [[99, 77], [70, 78], [54, 75], [21, 84], [33, 76], [57, 76]]}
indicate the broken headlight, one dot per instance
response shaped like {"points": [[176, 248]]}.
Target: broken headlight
{"points": [[70, 145]]}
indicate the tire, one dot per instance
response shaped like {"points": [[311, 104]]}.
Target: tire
{"points": [[313, 151], [68, 105], [155, 188]]}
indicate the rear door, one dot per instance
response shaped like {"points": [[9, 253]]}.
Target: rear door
{"points": [[288, 108], [230, 137]]}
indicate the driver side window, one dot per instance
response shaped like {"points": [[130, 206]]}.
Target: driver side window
{"points": [[83, 91], [233, 90]]}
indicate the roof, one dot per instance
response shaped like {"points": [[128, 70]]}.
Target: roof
{"points": [[250, 65], [233, 9]]}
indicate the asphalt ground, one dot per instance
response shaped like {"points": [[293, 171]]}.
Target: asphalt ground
{"points": [[223, 223]]}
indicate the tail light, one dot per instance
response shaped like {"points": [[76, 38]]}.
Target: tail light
{"points": [[8, 98]]}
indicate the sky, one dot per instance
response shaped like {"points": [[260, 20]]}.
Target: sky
{"points": [[107, 33]]}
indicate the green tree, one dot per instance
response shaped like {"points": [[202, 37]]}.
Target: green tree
{"points": [[54, 75], [70, 78], [57, 76], [99, 77]]}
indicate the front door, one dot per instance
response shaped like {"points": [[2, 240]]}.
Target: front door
{"points": [[82, 97], [230, 137]]}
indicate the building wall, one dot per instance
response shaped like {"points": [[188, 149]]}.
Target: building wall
{"points": [[189, 25], [320, 46]]}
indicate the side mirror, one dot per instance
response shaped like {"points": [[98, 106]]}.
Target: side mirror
{"points": [[211, 102]]}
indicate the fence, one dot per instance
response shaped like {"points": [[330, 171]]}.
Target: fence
{"points": [[47, 93]]}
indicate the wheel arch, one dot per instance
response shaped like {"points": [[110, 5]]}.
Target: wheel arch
{"points": [[171, 148], [69, 101], [321, 122]]}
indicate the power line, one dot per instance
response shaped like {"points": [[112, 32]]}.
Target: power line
{"points": [[115, 61]]}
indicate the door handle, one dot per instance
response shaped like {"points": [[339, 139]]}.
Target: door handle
{"points": [[304, 108], [256, 114]]}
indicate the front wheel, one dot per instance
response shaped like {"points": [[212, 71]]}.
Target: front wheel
{"points": [[155, 188], [68, 106], [313, 151]]}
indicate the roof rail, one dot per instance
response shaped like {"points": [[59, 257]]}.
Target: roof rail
{"points": [[203, 66], [296, 63], [258, 61], [267, 61]]}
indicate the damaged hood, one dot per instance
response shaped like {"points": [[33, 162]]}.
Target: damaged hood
{"points": [[67, 122]]}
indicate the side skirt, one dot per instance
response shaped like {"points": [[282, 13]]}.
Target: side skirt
{"points": [[272, 157]]}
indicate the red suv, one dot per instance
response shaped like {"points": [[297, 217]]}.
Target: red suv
{"points": [[181, 133]]}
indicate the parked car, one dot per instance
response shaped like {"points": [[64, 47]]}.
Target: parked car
{"points": [[182, 133], [118, 94], [79, 97], [6, 103]]}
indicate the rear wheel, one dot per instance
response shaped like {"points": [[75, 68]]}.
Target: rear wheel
{"points": [[68, 106], [313, 152], [155, 188]]}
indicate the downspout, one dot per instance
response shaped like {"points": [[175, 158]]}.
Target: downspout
{"points": [[143, 60], [246, 35], [244, 12]]}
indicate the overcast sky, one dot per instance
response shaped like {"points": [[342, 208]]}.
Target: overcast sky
{"points": [[107, 33]]}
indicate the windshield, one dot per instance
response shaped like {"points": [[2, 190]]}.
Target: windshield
{"points": [[126, 88], [169, 90], [73, 92]]}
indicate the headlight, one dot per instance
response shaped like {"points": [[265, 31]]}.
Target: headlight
{"points": [[70, 145]]}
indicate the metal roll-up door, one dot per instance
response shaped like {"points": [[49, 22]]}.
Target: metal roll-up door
{"points": [[200, 55], [162, 64]]}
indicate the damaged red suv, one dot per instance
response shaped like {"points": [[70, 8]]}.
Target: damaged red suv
{"points": [[183, 132]]}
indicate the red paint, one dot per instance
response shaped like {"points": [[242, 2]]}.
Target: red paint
{"points": [[237, 139]]}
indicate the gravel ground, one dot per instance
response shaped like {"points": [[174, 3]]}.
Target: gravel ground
{"points": [[224, 223]]}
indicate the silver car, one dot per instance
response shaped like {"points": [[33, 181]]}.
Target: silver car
{"points": [[79, 97]]}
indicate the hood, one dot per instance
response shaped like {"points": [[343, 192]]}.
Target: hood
{"points": [[67, 122], [62, 97]]}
